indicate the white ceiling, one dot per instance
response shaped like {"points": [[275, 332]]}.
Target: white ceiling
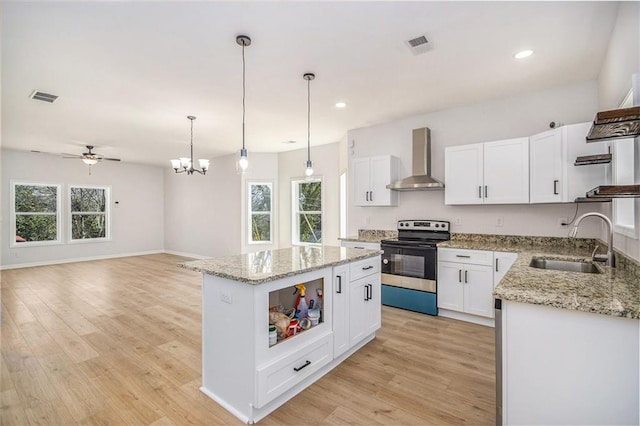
{"points": [[128, 73]]}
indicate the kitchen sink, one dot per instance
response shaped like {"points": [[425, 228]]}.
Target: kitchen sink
{"points": [[564, 265]]}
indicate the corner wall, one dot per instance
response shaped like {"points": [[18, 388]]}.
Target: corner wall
{"points": [[505, 118], [137, 221], [621, 62]]}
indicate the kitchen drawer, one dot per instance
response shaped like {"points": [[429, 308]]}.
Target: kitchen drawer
{"points": [[475, 257], [363, 268], [276, 378], [360, 245]]}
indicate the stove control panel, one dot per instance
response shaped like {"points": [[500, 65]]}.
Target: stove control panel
{"points": [[423, 225]]}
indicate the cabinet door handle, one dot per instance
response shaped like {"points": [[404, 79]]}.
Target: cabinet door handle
{"points": [[486, 192], [497, 265], [479, 191], [463, 255], [466, 276], [339, 290], [364, 268], [459, 275], [369, 291], [366, 195], [366, 292], [306, 364], [555, 187]]}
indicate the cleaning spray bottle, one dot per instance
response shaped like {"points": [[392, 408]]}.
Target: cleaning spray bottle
{"points": [[301, 307]]}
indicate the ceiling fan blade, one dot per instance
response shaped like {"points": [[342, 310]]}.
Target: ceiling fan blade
{"points": [[75, 157], [111, 159], [71, 155]]}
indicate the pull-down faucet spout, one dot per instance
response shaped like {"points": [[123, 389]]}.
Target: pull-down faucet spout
{"points": [[611, 260]]}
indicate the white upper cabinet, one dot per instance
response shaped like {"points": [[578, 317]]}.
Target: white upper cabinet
{"points": [[488, 173], [554, 177], [371, 175]]}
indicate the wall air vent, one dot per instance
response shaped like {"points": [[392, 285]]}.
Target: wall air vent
{"points": [[418, 45], [42, 96]]}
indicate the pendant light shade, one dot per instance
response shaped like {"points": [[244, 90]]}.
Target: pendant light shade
{"points": [[185, 165], [309, 170], [243, 162]]}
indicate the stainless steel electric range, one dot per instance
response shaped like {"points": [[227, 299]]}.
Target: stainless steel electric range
{"points": [[409, 265]]}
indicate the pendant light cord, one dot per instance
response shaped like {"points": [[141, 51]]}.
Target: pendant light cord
{"points": [[243, 93], [191, 143], [309, 120]]}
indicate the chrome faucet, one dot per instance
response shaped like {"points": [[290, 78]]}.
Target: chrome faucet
{"points": [[610, 259]]}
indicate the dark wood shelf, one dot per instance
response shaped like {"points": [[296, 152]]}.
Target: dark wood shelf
{"points": [[593, 159], [615, 191], [615, 124]]}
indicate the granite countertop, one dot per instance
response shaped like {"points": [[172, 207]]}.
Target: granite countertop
{"points": [[271, 265], [615, 291], [371, 236]]}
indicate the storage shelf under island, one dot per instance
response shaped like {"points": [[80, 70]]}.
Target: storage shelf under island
{"points": [[240, 370]]}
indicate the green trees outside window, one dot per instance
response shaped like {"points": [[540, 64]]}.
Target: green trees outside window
{"points": [[260, 195], [36, 212], [88, 213], [307, 211]]}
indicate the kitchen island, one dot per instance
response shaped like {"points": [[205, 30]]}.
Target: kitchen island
{"points": [[567, 343], [243, 370]]}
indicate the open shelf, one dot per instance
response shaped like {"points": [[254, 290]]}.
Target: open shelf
{"points": [[283, 301]]}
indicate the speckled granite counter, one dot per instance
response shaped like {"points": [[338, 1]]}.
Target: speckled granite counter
{"points": [[271, 265], [371, 236], [615, 291]]}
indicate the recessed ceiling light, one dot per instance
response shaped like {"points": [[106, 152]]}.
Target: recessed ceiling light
{"points": [[341, 105], [523, 54]]}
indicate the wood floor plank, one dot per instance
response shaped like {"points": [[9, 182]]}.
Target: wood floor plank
{"points": [[118, 342]]}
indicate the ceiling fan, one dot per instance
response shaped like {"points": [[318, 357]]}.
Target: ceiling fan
{"points": [[90, 157]]}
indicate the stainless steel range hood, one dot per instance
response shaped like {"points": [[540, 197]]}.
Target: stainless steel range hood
{"points": [[421, 178]]}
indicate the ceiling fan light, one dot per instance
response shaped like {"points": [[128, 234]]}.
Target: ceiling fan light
{"points": [[89, 161]]}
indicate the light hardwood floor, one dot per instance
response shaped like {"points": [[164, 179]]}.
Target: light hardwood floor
{"points": [[118, 342]]}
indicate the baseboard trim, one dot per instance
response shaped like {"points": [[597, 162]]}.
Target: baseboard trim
{"points": [[179, 253], [79, 259]]}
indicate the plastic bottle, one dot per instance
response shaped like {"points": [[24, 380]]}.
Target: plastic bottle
{"points": [[303, 310]]}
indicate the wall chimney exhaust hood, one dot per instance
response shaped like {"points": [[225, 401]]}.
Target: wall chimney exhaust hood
{"points": [[615, 124], [421, 178]]}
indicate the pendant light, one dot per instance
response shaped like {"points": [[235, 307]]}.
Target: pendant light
{"points": [[243, 163], [184, 164], [309, 76]]}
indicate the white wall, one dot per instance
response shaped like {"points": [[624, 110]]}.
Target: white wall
{"points": [[326, 164], [263, 167], [621, 62], [522, 115], [137, 222], [203, 213]]}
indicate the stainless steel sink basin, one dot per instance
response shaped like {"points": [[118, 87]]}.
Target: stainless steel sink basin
{"points": [[564, 265]]}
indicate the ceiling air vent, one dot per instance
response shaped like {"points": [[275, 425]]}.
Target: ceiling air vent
{"points": [[45, 97], [418, 45]]}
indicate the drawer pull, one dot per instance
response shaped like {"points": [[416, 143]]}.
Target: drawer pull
{"points": [[364, 268], [359, 247], [463, 255], [306, 364]]}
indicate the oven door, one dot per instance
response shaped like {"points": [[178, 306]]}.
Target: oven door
{"points": [[410, 266]]}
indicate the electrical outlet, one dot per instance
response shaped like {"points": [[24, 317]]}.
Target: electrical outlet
{"points": [[226, 297], [367, 220], [457, 221], [563, 221], [500, 222]]}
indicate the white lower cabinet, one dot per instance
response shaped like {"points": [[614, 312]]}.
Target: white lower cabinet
{"points": [[360, 245], [341, 340], [466, 280], [250, 378]]}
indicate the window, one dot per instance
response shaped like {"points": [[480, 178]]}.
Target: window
{"points": [[623, 173], [260, 212], [89, 207], [307, 211], [35, 214]]}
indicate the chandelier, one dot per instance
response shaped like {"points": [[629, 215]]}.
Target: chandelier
{"points": [[186, 164]]}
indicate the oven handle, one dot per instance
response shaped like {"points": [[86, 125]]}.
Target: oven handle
{"points": [[406, 246]]}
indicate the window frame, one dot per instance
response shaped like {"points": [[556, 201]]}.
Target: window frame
{"points": [[14, 214], [250, 213], [630, 231], [107, 213], [295, 231]]}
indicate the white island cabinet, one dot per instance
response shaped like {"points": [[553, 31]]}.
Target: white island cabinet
{"points": [[240, 369]]}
